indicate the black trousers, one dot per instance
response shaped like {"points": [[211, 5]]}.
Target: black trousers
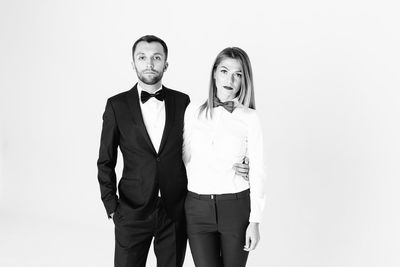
{"points": [[216, 226], [133, 239]]}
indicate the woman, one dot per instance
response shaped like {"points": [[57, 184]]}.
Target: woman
{"points": [[223, 210]]}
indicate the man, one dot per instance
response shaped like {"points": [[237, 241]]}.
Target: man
{"points": [[146, 123]]}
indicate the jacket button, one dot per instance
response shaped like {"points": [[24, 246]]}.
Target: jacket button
{"points": [[158, 159]]}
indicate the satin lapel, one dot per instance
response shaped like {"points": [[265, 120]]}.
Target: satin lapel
{"points": [[169, 117], [134, 106]]}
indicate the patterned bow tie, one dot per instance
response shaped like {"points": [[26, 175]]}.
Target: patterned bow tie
{"points": [[144, 96], [228, 105]]}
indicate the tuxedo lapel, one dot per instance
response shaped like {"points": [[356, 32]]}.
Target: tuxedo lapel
{"points": [[169, 117], [137, 116]]}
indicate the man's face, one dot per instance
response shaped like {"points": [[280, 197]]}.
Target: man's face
{"points": [[149, 62]]}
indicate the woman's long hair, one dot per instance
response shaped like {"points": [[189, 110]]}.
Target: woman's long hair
{"points": [[246, 91]]}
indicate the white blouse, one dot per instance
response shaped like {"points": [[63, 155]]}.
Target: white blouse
{"points": [[212, 146]]}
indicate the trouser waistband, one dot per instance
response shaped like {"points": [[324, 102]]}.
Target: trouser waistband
{"points": [[239, 195]]}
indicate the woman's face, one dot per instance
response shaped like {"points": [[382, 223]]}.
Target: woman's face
{"points": [[228, 78]]}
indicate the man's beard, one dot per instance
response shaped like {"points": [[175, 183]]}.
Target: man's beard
{"points": [[152, 79]]}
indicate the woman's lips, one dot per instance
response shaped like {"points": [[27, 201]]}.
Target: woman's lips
{"points": [[228, 87]]}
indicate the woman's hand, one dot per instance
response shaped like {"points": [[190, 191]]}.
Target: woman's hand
{"points": [[252, 236]]}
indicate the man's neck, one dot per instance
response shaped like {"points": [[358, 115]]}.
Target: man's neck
{"points": [[150, 88]]}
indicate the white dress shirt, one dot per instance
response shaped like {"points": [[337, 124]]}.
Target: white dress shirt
{"points": [[212, 146], [153, 112]]}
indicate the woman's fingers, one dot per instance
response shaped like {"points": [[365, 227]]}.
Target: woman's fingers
{"points": [[252, 237]]}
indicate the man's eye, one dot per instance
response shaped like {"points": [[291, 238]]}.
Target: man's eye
{"points": [[157, 58], [141, 58]]}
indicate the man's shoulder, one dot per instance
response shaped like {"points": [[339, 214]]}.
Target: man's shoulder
{"points": [[176, 93], [120, 96]]}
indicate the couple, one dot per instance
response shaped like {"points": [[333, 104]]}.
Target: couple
{"points": [[183, 173]]}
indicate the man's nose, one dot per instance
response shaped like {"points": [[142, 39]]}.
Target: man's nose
{"points": [[150, 64]]}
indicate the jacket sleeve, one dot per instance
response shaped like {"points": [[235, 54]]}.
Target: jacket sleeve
{"points": [[107, 159]]}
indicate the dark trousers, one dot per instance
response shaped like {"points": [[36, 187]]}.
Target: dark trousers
{"points": [[216, 226], [133, 239]]}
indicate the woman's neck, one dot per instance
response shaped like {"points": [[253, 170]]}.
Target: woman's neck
{"points": [[225, 97]]}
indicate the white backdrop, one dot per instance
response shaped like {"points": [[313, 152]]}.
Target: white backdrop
{"points": [[327, 86]]}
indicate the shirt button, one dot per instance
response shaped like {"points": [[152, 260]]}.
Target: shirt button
{"points": [[158, 159]]}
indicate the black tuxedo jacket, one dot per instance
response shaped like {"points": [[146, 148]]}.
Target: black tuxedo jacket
{"points": [[145, 171]]}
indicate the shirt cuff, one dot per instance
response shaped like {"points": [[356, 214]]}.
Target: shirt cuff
{"points": [[256, 208]]}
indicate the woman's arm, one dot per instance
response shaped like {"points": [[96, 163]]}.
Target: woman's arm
{"points": [[188, 121], [255, 152]]}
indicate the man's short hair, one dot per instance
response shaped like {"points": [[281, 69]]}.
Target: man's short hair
{"points": [[150, 39]]}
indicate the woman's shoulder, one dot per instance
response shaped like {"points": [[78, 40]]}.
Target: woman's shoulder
{"points": [[250, 115], [192, 109], [193, 106], [246, 110]]}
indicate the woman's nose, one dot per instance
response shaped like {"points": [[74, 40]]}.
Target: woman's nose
{"points": [[231, 79]]}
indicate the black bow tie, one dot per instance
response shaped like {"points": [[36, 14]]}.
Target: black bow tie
{"points": [[144, 96], [228, 105]]}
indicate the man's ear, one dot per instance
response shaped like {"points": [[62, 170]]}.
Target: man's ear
{"points": [[133, 65], [165, 66]]}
